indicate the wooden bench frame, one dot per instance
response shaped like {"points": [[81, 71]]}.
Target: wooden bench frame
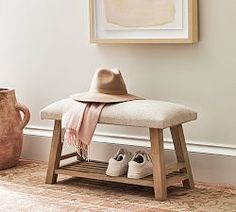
{"points": [[163, 176]]}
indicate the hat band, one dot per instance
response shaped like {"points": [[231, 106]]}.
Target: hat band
{"points": [[112, 92]]}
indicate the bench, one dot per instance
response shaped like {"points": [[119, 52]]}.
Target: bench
{"points": [[155, 115]]}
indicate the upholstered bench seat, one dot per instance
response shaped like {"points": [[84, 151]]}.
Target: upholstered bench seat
{"points": [[139, 113], [155, 115]]}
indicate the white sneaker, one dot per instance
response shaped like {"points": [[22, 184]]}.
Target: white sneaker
{"points": [[140, 166], [118, 165]]}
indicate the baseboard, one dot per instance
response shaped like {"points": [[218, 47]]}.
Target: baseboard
{"points": [[142, 141], [219, 168]]}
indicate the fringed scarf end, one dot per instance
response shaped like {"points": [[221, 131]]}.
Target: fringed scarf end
{"points": [[71, 137]]}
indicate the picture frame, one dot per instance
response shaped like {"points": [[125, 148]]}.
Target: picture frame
{"points": [[113, 21]]}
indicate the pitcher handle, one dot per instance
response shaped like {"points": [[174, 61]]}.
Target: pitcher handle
{"points": [[26, 113]]}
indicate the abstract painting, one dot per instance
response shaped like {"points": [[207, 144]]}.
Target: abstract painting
{"points": [[143, 21], [138, 13]]}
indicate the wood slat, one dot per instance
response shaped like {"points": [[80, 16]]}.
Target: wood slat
{"points": [[90, 167], [87, 170], [92, 164], [97, 164], [70, 155], [176, 179], [174, 167]]}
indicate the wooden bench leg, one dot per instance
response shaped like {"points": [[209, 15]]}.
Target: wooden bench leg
{"points": [[182, 154], [158, 160], [55, 154]]}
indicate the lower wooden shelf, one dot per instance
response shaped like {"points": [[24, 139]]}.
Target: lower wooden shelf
{"points": [[97, 170]]}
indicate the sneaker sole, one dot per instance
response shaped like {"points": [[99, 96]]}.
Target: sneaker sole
{"points": [[136, 175]]}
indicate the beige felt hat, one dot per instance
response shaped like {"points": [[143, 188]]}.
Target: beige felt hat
{"points": [[107, 86]]}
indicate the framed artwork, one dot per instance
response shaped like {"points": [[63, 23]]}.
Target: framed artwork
{"points": [[143, 21]]}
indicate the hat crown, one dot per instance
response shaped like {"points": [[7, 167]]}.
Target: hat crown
{"points": [[108, 81]]}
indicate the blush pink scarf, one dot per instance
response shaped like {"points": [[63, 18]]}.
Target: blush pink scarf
{"points": [[79, 123]]}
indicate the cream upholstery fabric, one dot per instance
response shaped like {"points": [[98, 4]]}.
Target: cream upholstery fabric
{"points": [[142, 113]]}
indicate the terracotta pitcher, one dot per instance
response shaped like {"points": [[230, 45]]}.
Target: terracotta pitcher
{"points": [[11, 128]]}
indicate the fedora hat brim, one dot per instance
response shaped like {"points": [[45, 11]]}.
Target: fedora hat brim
{"points": [[103, 98]]}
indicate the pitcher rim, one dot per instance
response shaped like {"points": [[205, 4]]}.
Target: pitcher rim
{"points": [[6, 90]]}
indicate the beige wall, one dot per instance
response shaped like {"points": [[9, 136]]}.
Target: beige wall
{"points": [[45, 55]]}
